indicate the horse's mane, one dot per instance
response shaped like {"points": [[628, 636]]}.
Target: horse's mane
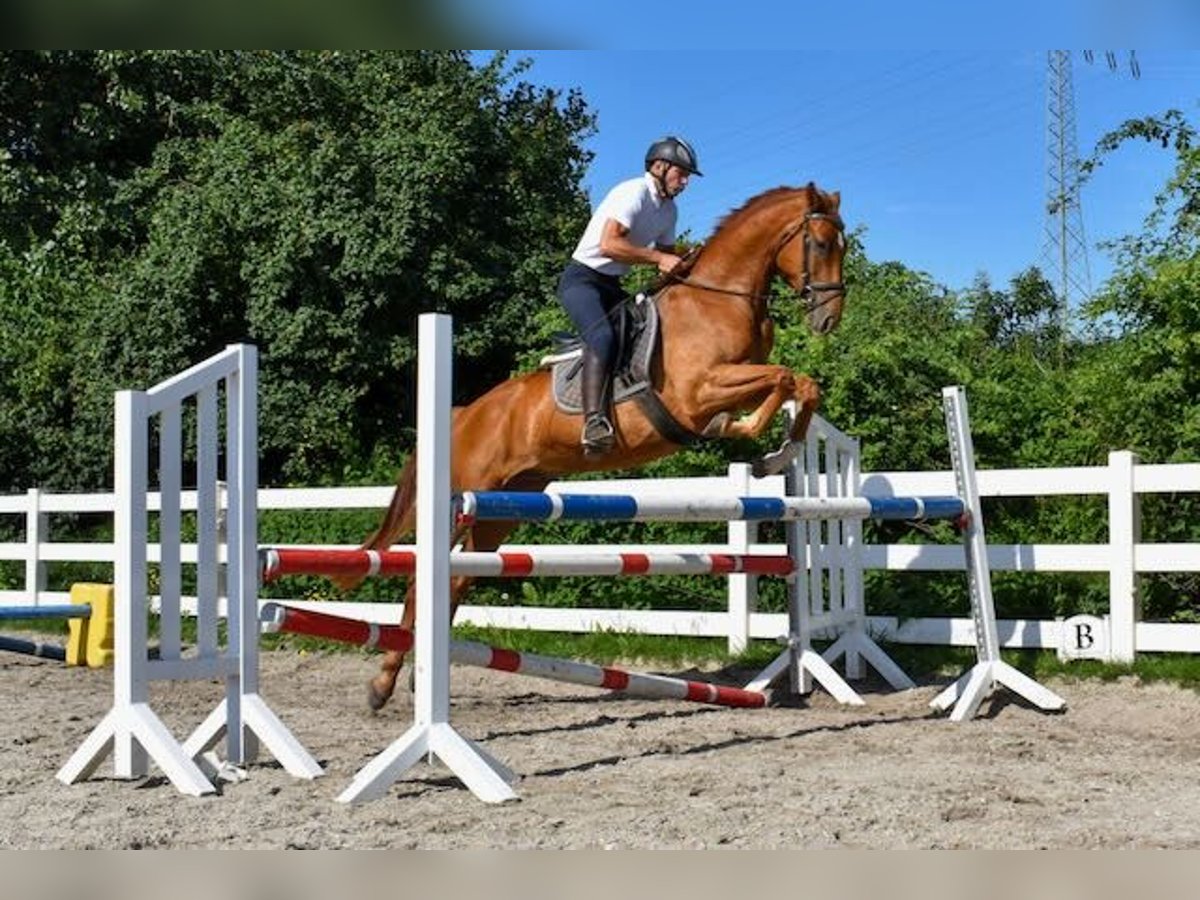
{"points": [[766, 198], [731, 220]]}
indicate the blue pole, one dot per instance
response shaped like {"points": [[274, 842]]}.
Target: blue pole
{"points": [[916, 507], [33, 648], [524, 506], [73, 611]]}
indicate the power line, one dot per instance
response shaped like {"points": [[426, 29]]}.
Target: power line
{"points": [[902, 128]]}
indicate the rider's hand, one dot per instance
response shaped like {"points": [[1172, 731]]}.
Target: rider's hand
{"points": [[667, 262]]}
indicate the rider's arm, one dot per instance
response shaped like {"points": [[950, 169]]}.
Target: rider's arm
{"points": [[615, 244]]}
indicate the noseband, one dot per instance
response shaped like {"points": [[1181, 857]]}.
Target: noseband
{"points": [[813, 294]]}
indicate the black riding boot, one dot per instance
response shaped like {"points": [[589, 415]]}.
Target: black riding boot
{"points": [[598, 435]]}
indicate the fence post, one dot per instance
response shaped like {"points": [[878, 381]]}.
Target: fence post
{"points": [[851, 559], [1124, 533], [743, 589], [35, 532]]}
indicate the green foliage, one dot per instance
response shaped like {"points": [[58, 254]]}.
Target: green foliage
{"points": [[156, 206]]}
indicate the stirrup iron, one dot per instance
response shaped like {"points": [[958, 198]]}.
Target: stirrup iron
{"points": [[598, 436]]}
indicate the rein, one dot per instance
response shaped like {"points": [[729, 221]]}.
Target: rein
{"points": [[810, 293]]}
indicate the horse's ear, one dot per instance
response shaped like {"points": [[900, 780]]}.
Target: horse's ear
{"points": [[835, 201], [813, 195]]}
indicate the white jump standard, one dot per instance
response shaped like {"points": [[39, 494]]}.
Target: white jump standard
{"points": [[131, 731], [990, 670]]}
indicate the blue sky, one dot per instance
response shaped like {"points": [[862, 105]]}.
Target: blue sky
{"points": [[877, 25], [939, 154]]}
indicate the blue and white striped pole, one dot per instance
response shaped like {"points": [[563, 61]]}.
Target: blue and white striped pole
{"points": [[516, 506]]}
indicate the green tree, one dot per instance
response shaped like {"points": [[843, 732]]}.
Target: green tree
{"points": [[1141, 378], [157, 206]]}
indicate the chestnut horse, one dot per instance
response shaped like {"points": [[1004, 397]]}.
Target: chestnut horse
{"points": [[715, 337]]}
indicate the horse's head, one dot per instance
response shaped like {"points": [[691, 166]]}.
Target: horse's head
{"points": [[810, 257]]}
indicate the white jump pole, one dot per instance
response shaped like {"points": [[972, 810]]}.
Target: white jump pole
{"points": [[431, 732]]}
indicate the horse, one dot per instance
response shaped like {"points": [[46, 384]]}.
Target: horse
{"points": [[715, 337]]}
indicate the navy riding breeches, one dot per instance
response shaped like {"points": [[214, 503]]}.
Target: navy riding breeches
{"points": [[591, 299]]}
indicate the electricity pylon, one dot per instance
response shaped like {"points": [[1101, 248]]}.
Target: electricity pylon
{"points": [[1065, 250]]}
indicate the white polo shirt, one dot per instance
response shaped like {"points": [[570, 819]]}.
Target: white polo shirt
{"points": [[636, 205]]}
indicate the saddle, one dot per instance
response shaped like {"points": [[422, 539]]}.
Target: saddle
{"points": [[637, 344], [637, 338]]}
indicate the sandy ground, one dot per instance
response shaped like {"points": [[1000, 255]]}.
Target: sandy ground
{"points": [[1117, 769]]}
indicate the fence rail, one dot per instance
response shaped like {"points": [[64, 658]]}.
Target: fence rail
{"points": [[1123, 558]]}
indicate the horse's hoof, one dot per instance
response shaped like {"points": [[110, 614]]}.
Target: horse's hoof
{"points": [[716, 425], [375, 698], [774, 463]]}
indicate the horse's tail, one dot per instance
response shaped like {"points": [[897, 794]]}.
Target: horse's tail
{"points": [[398, 521]]}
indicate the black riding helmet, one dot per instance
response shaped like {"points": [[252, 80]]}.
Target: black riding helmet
{"points": [[674, 150]]}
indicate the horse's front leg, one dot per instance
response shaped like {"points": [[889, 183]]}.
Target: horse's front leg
{"points": [[731, 388], [482, 536]]}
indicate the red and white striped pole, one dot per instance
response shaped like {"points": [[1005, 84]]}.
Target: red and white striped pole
{"points": [[472, 653], [277, 563]]}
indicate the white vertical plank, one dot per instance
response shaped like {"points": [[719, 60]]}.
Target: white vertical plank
{"points": [[206, 522], [241, 454], [962, 448], [431, 704], [835, 557], [799, 679], [35, 532], [816, 556], [852, 585], [130, 682], [1124, 533], [170, 487]]}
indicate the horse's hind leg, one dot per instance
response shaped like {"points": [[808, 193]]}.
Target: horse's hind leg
{"points": [[399, 520], [383, 685], [483, 536]]}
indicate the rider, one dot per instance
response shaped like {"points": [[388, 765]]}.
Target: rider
{"points": [[635, 223]]}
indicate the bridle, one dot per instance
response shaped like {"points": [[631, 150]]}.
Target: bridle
{"points": [[813, 294], [812, 291]]}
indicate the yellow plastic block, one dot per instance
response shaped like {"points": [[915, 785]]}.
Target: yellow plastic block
{"points": [[91, 639], [77, 632]]}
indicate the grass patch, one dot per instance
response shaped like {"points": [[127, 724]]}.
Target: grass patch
{"points": [[40, 626], [604, 647], [1177, 668]]}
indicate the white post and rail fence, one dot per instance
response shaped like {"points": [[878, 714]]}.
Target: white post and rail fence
{"points": [[837, 555]]}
